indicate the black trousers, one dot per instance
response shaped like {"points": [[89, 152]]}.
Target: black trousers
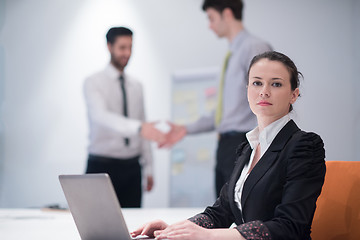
{"points": [[125, 175], [226, 157]]}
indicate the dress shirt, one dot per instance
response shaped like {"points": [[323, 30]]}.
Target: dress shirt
{"points": [[236, 113], [108, 125], [264, 138]]}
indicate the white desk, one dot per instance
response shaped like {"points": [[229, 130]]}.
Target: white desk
{"points": [[31, 224]]}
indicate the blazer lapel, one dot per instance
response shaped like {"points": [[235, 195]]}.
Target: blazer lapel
{"points": [[242, 160], [267, 160]]}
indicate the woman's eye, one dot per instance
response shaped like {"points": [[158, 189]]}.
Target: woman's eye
{"points": [[257, 83], [276, 84]]}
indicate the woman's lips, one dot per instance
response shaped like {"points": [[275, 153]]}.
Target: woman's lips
{"points": [[264, 103]]}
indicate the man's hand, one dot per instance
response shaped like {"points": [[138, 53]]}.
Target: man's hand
{"points": [[149, 183], [150, 132], [176, 133]]}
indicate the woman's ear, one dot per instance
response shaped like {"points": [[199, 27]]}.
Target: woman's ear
{"points": [[294, 95]]}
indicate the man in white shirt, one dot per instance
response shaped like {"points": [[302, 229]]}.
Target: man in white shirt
{"points": [[118, 130]]}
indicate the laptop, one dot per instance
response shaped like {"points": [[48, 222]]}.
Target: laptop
{"points": [[95, 207]]}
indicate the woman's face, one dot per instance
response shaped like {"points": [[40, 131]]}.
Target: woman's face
{"points": [[269, 90]]}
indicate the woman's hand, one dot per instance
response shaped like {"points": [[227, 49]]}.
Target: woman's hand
{"points": [[187, 230], [149, 228], [183, 230]]}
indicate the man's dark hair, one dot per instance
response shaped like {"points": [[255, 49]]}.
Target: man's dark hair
{"points": [[236, 6], [115, 32]]}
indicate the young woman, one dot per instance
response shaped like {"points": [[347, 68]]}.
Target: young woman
{"points": [[278, 175]]}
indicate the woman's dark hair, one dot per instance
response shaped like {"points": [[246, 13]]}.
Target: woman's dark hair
{"points": [[288, 63], [115, 32], [236, 6]]}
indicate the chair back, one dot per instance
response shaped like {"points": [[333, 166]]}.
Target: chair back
{"points": [[337, 215]]}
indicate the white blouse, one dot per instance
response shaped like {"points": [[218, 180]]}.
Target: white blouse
{"points": [[263, 138]]}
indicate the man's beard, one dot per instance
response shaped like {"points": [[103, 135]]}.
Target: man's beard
{"points": [[117, 63]]}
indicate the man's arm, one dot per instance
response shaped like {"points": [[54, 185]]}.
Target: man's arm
{"points": [[178, 132], [204, 124], [127, 127]]}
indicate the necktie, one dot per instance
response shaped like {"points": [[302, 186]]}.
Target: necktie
{"points": [[219, 107], [125, 110]]}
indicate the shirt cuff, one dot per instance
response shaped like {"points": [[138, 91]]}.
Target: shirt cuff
{"points": [[202, 220], [135, 126], [254, 230], [148, 170], [191, 128]]}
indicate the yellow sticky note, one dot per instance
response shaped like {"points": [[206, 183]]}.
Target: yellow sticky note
{"points": [[203, 155]]}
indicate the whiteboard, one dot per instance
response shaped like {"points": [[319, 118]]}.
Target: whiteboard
{"points": [[192, 178]]}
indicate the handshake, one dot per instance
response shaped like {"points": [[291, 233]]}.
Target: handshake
{"points": [[164, 139]]}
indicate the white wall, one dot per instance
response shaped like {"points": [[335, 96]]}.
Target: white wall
{"points": [[2, 82], [356, 67], [51, 46], [318, 35]]}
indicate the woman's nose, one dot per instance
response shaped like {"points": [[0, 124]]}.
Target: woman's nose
{"points": [[265, 92]]}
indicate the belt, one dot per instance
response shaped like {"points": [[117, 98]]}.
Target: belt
{"points": [[104, 159]]}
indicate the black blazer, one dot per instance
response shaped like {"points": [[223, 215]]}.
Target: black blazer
{"points": [[279, 195]]}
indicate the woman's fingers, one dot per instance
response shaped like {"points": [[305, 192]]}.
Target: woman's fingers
{"points": [[158, 233], [149, 228], [159, 229], [154, 226], [183, 230], [182, 234], [173, 227], [137, 232]]}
